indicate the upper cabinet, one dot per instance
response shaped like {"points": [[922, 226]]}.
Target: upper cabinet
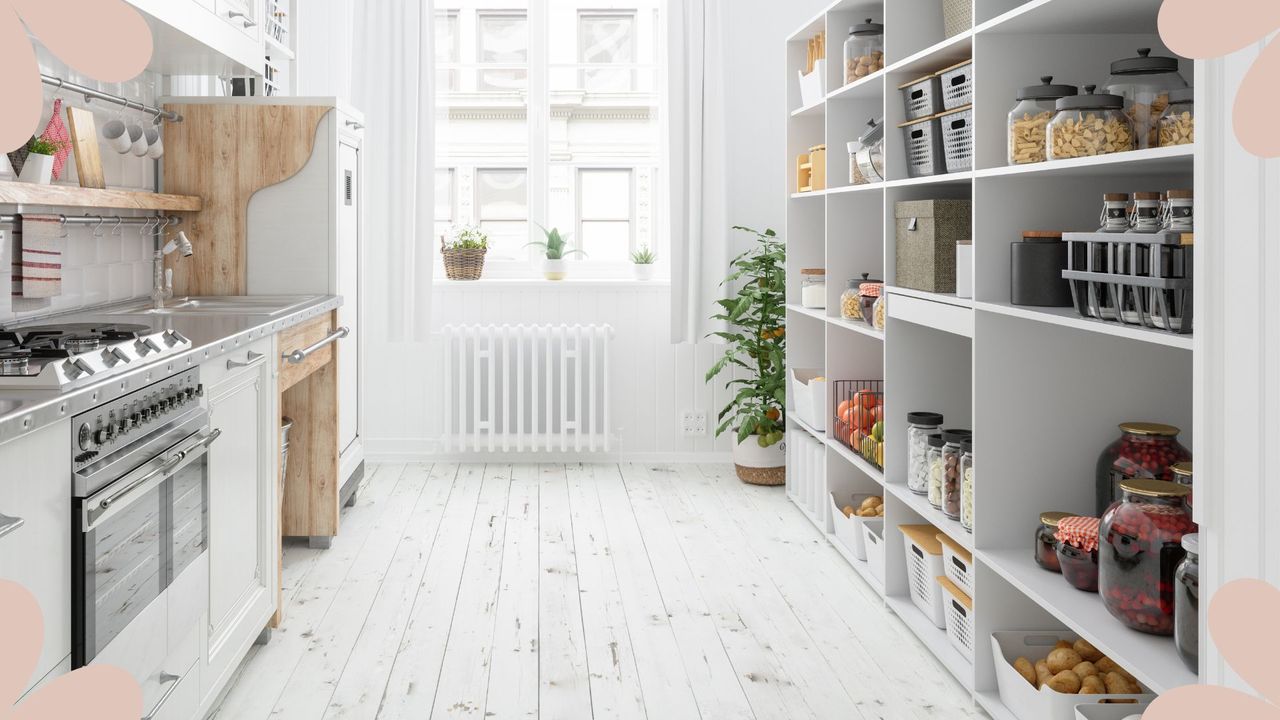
{"points": [[206, 37]]}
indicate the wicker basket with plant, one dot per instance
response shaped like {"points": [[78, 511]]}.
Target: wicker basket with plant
{"points": [[463, 251]]}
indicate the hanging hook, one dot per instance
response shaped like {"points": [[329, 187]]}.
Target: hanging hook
{"points": [[62, 220], [97, 229], [115, 230], [159, 118], [145, 229]]}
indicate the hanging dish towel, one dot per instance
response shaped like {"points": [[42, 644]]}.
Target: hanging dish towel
{"points": [[56, 133], [38, 246]]}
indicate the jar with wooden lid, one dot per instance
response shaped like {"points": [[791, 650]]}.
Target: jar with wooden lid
{"points": [[1046, 553], [1148, 212], [967, 485], [1115, 213], [1089, 124], [1030, 117], [1036, 266], [1180, 211], [1144, 450], [813, 288]]}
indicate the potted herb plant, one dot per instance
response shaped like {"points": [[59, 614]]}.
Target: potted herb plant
{"points": [[464, 252], [757, 348], [38, 168], [555, 248], [643, 261]]}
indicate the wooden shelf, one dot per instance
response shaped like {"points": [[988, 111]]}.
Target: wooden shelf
{"points": [[18, 193]]}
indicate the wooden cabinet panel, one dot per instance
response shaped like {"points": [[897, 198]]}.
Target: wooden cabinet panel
{"points": [[303, 336]]}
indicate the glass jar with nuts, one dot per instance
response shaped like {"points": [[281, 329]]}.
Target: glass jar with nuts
{"points": [[863, 51], [1089, 124], [1030, 117], [1178, 124], [1145, 82]]}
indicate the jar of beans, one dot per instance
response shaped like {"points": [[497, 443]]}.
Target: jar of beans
{"points": [[1144, 450], [1047, 541], [937, 469], [920, 425], [952, 452], [1078, 552], [966, 485], [1186, 603], [1182, 476], [1140, 547]]}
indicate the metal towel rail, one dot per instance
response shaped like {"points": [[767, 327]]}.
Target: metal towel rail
{"points": [[92, 94], [297, 356]]}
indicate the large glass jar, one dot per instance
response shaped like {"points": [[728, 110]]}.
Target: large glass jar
{"points": [[1089, 124], [1140, 546], [1144, 450], [813, 288], [1145, 83], [870, 156], [1078, 552], [966, 485], [952, 454], [1186, 603], [863, 51], [851, 302], [1030, 117], [1180, 211], [855, 175], [1183, 476], [945, 470], [869, 292], [936, 469], [1178, 123], [1047, 540], [920, 425]]}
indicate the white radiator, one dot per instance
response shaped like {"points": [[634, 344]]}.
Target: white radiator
{"points": [[523, 388]]}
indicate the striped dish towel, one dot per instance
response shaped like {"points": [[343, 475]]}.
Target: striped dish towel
{"points": [[38, 246]]}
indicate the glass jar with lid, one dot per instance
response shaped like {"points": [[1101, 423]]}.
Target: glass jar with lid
{"points": [[1029, 118], [1145, 83], [1148, 212], [870, 155], [966, 485], [1089, 124], [1180, 211], [920, 425], [934, 462], [952, 453], [851, 302], [1182, 475], [813, 288], [855, 175], [1186, 603], [1046, 540], [1078, 552], [944, 467], [863, 51], [869, 292], [1144, 450], [1178, 123], [1140, 547], [1115, 213]]}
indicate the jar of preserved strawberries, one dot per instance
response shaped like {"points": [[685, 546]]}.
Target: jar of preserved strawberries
{"points": [[1047, 541], [1144, 450], [1078, 552], [1139, 549]]}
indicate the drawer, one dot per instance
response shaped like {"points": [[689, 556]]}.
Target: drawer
{"points": [[242, 15], [182, 701], [141, 649], [188, 602], [237, 360], [300, 337]]}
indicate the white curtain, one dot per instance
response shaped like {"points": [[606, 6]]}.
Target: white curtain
{"points": [[393, 82], [697, 155]]}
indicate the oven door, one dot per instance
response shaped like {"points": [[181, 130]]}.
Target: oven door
{"points": [[133, 538]]}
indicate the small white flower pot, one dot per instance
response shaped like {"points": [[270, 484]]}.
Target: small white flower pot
{"points": [[37, 170], [643, 272], [555, 269]]}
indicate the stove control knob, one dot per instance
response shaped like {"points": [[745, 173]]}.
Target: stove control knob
{"points": [[102, 436], [85, 437], [145, 414], [191, 392]]}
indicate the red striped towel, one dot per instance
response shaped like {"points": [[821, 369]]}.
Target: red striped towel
{"points": [[38, 246]]}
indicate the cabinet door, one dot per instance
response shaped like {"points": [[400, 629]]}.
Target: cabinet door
{"points": [[349, 287], [242, 517]]}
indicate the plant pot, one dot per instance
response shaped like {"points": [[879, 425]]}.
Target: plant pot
{"points": [[643, 272], [37, 170], [555, 269], [761, 466]]}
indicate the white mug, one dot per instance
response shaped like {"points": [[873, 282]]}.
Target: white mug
{"points": [[155, 146], [117, 136], [137, 139]]}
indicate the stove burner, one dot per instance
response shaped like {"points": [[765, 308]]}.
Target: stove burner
{"points": [[108, 332], [14, 361], [80, 343]]}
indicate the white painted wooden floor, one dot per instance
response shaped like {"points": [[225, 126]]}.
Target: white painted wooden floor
{"points": [[579, 592]]}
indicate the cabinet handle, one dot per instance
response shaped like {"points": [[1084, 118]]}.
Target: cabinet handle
{"points": [[297, 356], [8, 524], [355, 125], [165, 679], [233, 14], [250, 359]]}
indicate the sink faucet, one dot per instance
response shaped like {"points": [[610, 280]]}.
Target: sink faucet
{"points": [[162, 279]]}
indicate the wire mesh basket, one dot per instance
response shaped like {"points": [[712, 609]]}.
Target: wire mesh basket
{"points": [[922, 98], [1137, 279], [957, 85], [923, 142], [859, 417], [957, 139]]}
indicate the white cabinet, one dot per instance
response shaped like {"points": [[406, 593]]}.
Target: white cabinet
{"points": [[35, 488], [204, 37], [349, 267], [244, 16], [243, 515]]}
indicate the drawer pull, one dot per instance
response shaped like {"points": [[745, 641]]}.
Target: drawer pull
{"points": [[165, 679], [8, 524], [355, 125], [233, 14], [251, 358], [297, 356]]}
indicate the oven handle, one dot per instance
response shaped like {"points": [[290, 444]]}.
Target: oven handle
{"points": [[97, 512]]}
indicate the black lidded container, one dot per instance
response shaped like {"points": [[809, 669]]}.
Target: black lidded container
{"points": [[1036, 266]]}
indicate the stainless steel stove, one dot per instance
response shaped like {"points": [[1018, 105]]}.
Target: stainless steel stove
{"points": [[64, 356]]}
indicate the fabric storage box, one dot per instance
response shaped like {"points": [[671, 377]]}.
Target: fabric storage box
{"points": [[922, 98], [957, 564], [873, 540], [922, 141], [956, 83], [957, 17], [1021, 697], [927, 232], [958, 616], [848, 530], [812, 403], [957, 139], [924, 566], [1110, 711]]}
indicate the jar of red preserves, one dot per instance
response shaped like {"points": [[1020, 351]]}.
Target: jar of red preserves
{"points": [[1183, 476], [1078, 552], [1047, 542], [1139, 548], [1144, 450]]}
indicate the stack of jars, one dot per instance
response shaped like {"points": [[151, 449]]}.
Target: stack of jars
{"points": [[1144, 450], [944, 471], [920, 425]]}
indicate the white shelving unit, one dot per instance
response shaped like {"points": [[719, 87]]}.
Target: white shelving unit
{"points": [[1043, 389]]}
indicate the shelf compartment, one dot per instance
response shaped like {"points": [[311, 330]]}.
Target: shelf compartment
{"points": [[933, 638], [920, 504], [1072, 17], [1068, 317], [816, 313], [940, 312], [18, 193], [1153, 161]]}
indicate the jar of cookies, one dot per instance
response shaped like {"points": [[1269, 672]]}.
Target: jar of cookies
{"points": [[863, 51], [1178, 123], [1089, 124], [1145, 82], [1030, 117]]}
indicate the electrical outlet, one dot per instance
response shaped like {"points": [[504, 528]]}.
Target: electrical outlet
{"points": [[694, 423]]}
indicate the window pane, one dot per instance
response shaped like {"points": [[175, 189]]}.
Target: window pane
{"points": [[444, 195], [502, 194], [606, 194], [607, 39], [448, 50], [507, 240], [606, 241], [504, 40]]}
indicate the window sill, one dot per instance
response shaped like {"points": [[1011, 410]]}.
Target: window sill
{"points": [[442, 283]]}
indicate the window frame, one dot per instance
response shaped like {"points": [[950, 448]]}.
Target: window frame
{"points": [[484, 66], [477, 172], [454, 70], [632, 219], [633, 73]]}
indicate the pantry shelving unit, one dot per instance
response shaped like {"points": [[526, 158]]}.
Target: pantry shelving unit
{"points": [[1043, 389]]}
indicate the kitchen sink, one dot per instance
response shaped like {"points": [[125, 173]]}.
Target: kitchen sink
{"points": [[267, 305]]}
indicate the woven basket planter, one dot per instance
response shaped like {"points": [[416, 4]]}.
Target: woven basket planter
{"points": [[463, 264]]}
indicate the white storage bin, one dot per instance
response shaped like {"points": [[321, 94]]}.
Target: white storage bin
{"points": [[813, 87], [848, 530], [873, 540], [1021, 697], [795, 477], [958, 615], [812, 402], [924, 566], [957, 85], [957, 564], [818, 482], [1110, 711]]}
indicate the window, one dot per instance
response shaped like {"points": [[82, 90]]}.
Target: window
{"points": [[445, 200], [502, 210], [503, 42], [607, 39], [448, 51], [606, 213]]}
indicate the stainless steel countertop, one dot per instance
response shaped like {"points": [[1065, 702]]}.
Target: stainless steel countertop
{"points": [[211, 334]]}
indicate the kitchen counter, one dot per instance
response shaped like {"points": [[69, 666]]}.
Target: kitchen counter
{"points": [[211, 333]]}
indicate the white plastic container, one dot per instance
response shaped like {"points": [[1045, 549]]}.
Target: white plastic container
{"points": [[817, 464], [848, 530], [964, 269], [1021, 697], [957, 564], [812, 401], [873, 540], [813, 86], [924, 566], [1109, 712], [958, 615]]}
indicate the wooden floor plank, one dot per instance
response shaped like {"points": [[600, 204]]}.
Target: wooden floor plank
{"points": [[513, 671], [564, 690]]}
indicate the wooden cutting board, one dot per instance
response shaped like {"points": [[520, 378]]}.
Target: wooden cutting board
{"points": [[84, 145]]}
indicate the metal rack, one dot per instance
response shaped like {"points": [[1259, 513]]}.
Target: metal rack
{"points": [[92, 94], [111, 221]]}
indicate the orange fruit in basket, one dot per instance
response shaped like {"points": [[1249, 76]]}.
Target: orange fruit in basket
{"points": [[843, 408], [866, 399], [866, 419]]}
